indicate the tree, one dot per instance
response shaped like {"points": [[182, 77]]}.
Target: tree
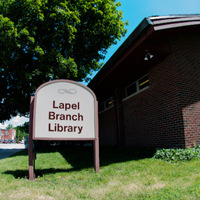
{"points": [[42, 40], [22, 131], [10, 126]]}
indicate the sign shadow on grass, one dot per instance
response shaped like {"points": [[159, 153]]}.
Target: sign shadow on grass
{"points": [[80, 158]]}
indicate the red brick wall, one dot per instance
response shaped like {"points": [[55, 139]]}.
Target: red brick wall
{"points": [[187, 52], [167, 114], [153, 117], [107, 127]]}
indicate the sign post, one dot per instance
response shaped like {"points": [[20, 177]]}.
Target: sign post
{"points": [[63, 110], [30, 143]]}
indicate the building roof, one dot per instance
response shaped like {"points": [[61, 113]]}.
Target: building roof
{"points": [[173, 21], [149, 26]]}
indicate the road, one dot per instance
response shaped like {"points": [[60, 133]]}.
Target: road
{"points": [[7, 150]]}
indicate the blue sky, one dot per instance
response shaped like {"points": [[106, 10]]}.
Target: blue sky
{"points": [[134, 12]]}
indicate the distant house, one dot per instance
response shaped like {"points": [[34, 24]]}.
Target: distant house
{"points": [[149, 90], [7, 134]]}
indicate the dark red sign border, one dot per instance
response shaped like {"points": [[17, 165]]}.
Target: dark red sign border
{"points": [[32, 154]]}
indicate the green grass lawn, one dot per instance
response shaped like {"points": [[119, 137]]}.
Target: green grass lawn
{"points": [[125, 173]]}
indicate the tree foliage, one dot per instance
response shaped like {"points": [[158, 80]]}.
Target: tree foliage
{"points": [[10, 126], [22, 131], [42, 40]]}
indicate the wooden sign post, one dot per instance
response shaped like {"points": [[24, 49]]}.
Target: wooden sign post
{"points": [[63, 110]]}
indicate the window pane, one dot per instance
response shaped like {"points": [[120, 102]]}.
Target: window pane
{"points": [[106, 104], [144, 82], [131, 89], [109, 103]]}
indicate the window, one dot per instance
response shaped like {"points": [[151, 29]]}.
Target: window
{"points": [[131, 89], [106, 104], [143, 82], [137, 86], [109, 102]]}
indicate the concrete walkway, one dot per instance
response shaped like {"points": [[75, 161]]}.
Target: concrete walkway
{"points": [[7, 150]]}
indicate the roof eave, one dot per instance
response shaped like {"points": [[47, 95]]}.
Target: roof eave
{"points": [[148, 26], [143, 26]]}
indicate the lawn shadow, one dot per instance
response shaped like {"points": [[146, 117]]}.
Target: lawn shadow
{"points": [[80, 157], [83, 157], [20, 174], [5, 153]]}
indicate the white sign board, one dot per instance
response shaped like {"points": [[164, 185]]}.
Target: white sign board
{"points": [[64, 110]]}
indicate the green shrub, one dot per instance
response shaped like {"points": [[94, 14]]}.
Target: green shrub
{"points": [[176, 155]]}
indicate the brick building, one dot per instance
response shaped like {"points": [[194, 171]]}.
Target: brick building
{"points": [[7, 134], [149, 90]]}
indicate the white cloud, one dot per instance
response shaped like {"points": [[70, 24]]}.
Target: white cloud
{"points": [[15, 121]]}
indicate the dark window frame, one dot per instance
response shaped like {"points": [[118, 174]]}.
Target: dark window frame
{"points": [[108, 103], [140, 84]]}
